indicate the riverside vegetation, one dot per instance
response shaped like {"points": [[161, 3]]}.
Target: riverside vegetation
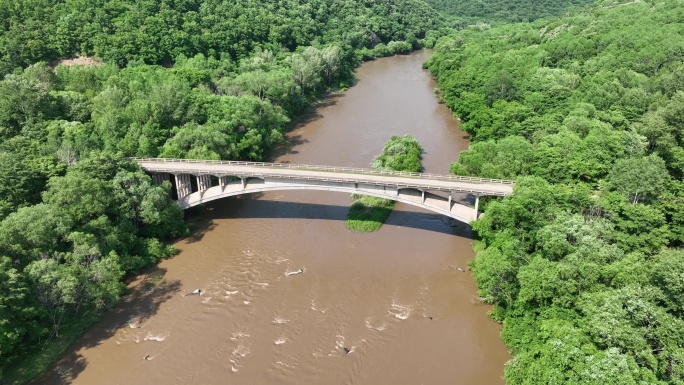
{"points": [[481, 13], [368, 213], [584, 262], [192, 79]]}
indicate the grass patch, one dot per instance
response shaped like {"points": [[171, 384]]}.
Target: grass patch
{"points": [[367, 213], [38, 360]]}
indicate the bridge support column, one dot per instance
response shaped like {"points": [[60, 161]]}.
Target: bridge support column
{"points": [[477, 204], [158, 178], [449, 201], [244, 182], [422, 196], [183, 186], [203, 182], [223, 182]]}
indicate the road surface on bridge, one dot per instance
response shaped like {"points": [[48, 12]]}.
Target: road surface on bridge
{"points": [[479, 186]]}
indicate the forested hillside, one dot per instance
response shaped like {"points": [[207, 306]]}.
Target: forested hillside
{"points": [[197, 79], [584, 262], [466, 12], [157, 32]]}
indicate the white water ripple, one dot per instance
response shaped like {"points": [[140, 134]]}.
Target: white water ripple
{"points": [[369, 325], [152, 337], [399, 311]]}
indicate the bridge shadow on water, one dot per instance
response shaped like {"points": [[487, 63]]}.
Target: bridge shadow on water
{"points": [[250, 206]]}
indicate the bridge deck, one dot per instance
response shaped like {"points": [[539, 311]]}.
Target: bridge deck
{"points": [[418, 181]]}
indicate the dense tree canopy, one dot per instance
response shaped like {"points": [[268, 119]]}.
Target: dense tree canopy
{"points": [[158, 32], [401, 153], [68, 254], [584, 260], [466, 12]]}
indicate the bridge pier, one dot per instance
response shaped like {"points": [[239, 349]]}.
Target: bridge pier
{"points": [[477, 204], [203, 182], [422, 196], [183, 185], [244, 182], [159, 178]]}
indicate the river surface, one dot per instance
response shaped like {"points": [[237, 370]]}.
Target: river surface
{"points": [[389, 307]]}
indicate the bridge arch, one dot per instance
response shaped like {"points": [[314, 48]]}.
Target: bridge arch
{"points": [[424, 199], [198, 181]]}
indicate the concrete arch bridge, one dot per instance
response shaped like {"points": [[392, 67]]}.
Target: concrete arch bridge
{"points": [[200, 181]]}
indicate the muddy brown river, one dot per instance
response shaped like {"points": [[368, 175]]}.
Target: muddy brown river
{"points": [[389, 307]]}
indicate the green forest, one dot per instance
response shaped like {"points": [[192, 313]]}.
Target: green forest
{"points": [[184, 79], [584, 262], [159, 32], [581, 102], [468, 12]]}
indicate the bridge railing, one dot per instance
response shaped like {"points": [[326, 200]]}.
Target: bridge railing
{"points": [[455, 178]]}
